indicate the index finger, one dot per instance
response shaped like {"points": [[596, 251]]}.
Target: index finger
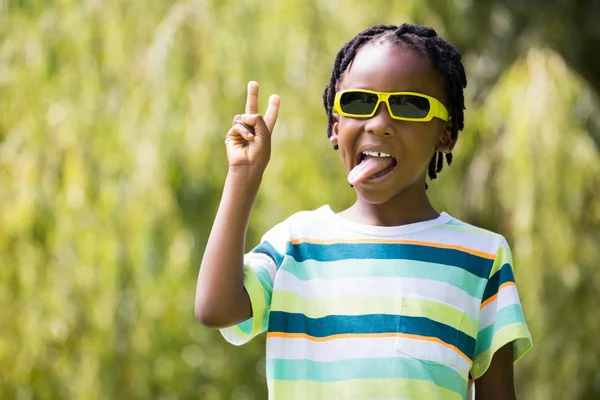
{"points": [[252, 98], [272, 112]]}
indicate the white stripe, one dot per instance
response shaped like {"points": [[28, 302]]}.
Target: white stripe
{"points": [[278, 236], [468, 240], [381, 286], [233, 337], [357, 348], [507, 296], [260, 260]]}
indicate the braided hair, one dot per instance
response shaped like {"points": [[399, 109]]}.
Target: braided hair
{"points": [[443, 56]]}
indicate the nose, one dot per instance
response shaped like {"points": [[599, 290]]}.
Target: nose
{"points": [[381, 123]]}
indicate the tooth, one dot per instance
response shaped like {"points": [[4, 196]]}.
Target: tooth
{"points": [[375, 154]]}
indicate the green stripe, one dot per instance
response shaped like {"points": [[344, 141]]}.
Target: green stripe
{"points": [[504, 317], [440, 312], [338, 251], [367, 368], [362, 389], [266, 282], [244, 329], [503, 256], [310, 269], [361, 305], [257, 298], [518, 333]]}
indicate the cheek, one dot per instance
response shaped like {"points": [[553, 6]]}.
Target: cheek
{"points": [[348, 130], [425, 135]]}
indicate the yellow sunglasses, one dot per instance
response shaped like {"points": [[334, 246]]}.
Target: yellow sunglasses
{"points": [[405, 106]]}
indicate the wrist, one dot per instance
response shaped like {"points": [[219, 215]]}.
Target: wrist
{"points": [[246, 173], [244, 177]]}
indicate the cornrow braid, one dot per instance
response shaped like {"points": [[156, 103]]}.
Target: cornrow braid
{"points": [[443, 56]]}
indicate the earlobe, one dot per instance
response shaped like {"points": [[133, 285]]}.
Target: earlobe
{"points": [[446, 143], [334, 132]]}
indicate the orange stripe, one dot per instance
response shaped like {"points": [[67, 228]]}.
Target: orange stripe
{"points": [[390, 241], [506, 284], [494, 297], [366, 336], [331, 337], [436, 340]]}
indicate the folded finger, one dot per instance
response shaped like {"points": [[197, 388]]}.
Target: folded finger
{"points": [[240, 131], [250, 119]]}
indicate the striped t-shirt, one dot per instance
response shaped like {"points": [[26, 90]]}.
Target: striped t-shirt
{"points": [[354, 311]]}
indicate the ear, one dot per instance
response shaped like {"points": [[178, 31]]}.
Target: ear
{"points": [[446, 143], [334, 131]]}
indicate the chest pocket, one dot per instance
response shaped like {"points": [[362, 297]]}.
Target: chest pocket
{"points": [[429, 330]]}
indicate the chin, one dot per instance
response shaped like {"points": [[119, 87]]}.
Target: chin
{"points": [[375, 197], [379, 194]]}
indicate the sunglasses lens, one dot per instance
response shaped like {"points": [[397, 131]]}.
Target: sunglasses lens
{"points": [[409, 106], [358, 103]]}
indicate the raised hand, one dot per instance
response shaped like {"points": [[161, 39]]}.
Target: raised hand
{"points": [[248, 141]]}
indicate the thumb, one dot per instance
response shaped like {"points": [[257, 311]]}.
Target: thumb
{"points": [[257, 122]]}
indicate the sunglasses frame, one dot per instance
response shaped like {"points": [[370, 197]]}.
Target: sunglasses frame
{"points": [[436, 109]]}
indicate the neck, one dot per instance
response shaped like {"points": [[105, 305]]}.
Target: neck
{"points": [[405, 208]]}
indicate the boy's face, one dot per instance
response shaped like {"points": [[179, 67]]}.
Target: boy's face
{"points": [[389, 68]]}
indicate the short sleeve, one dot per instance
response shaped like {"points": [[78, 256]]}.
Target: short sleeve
{"points": [[260, 268], [501, 319]]}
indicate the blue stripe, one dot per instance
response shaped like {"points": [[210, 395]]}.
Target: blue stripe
{"points": [[476, 265], [246, 326], [367, 368], [503, 275], [280, 321], [311, 269], [266, 248], [505, 316]]}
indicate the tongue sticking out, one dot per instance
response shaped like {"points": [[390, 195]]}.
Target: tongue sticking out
{"points": [[368, 168]]}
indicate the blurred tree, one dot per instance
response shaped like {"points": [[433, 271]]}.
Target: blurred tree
{"points": [[499, 32]]}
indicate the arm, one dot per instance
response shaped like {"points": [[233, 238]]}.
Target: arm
{"points": [[497, 383], [221, 299]]}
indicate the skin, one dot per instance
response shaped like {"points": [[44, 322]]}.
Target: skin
{"points": [[498, 381], [401, 198], [221, 299]]}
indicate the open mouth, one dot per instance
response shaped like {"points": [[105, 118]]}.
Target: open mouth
{"points": [[370, 166]]}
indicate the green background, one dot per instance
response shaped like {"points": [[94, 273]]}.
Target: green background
{"points": [[112, 120]]}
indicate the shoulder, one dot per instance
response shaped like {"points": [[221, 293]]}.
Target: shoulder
{"points": [[479, 250], [468, 235], [309, 222], [309, 216], [302, 224]]}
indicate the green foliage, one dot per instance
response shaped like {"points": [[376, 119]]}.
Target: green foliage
{"points": [[112, 122]]}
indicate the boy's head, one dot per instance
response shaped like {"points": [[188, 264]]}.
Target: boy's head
{"points": [[443, 58]]}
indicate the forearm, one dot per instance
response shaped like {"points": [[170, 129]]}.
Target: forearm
{"points": [[221, 299]]}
